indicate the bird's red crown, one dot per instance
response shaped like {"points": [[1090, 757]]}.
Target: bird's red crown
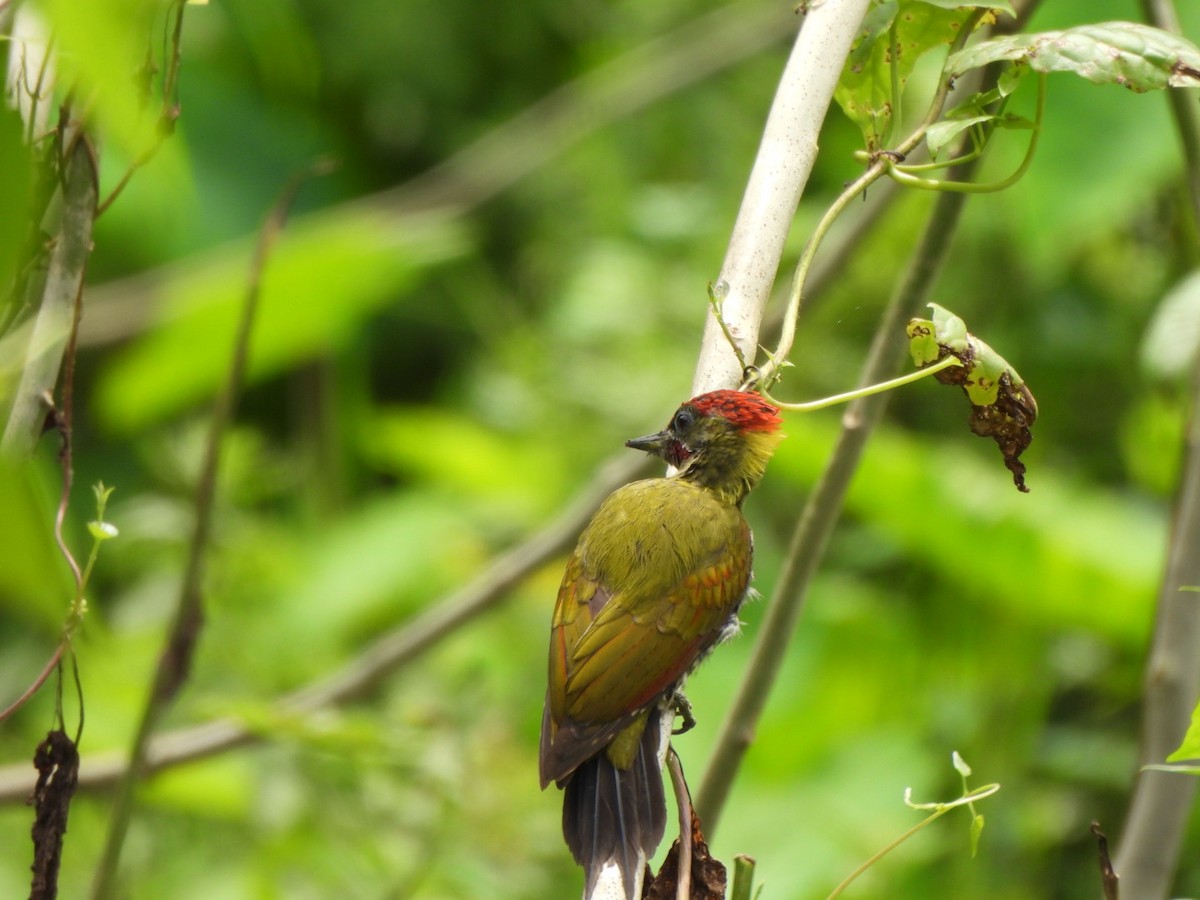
{"points": [[746, 410]]}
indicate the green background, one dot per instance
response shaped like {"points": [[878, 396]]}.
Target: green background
{"points": [[426, 388]]}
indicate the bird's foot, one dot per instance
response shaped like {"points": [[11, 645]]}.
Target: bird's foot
{"points": [[683, 709]]}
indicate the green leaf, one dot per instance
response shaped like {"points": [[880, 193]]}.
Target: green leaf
{"points": [[16, 180], [462, 455], [906, 29], [950, 329], [1001, 5], [1172, 339], [1190, 748], [960, 765], [34, 582], [1135, 56], [99, 46], [1002, 407], [947, 131], [983, 108], [976, 831], [102, 531]]}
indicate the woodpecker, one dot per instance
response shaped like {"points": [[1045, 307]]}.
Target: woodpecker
{"points": [[654, 584]]}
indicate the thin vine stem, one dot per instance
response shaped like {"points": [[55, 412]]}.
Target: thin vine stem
{"points": [[877, 169], [878, 388], [942, 809], [904, 176]]}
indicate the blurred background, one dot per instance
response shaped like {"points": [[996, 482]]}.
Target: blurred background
{"points": [[505, 279]]}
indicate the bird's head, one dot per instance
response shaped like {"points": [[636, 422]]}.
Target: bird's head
{"points": [[721, 440]]}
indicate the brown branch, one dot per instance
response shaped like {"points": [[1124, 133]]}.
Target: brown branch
{"points": [[174, 664], [1108, 876], [37, 683], [387, 655], [683, 801]]}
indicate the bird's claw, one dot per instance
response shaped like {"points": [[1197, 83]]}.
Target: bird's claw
{"points": [[683, 709]]}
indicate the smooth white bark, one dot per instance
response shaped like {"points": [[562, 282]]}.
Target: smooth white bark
{"points": [[781, 169]]}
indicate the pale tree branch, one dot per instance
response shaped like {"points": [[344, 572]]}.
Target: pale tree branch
{"points": [[785, 159], [824, 505], [1148, 853]]}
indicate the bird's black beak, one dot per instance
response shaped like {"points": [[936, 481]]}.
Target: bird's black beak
{"points": [[651, 443]]}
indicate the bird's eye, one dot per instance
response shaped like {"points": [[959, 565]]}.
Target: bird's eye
{"points": [[684, 419]]}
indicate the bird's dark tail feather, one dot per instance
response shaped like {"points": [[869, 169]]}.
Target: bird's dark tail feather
{"points": [[617, 815]]}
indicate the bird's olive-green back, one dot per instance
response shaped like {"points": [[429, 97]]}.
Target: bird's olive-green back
{"points": [[653, 581]]}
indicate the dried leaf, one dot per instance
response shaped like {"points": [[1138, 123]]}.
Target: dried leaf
{"points": [[1002, 407], [57, 762], [708, 874]]}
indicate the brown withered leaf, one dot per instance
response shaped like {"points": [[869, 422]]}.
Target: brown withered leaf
{"points": [[57, 762], [1007, 422], [1002, 406], [708, 874]]}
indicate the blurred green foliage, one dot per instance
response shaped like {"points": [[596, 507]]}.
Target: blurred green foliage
{"points": [[426, 389]]}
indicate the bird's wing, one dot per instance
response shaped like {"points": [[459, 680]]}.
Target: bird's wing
{"points": [[614, 649], [635, 648]]}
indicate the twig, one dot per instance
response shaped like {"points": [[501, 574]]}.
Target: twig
{"points": [[878, 388], [743, 877], [820, 514], [35, 93], [873, 173], [174, 665], [904, 174], [388, 654], [1108, 876], [940, 810], [64, 418], [1156, 820], [683, 800], [785, 158], [168, 113], [33, 688]]}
